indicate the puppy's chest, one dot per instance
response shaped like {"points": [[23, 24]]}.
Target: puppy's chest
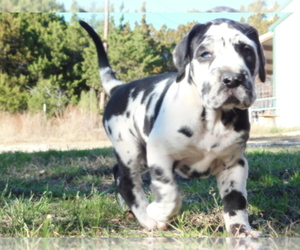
{"points": [[207, 152]]}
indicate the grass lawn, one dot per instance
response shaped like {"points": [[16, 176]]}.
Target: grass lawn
{"points": [[72, 194]]}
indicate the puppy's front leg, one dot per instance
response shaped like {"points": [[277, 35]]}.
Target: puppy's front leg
{"points": [[167, 199], [232, 187]]}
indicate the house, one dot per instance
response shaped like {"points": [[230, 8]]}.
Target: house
{"points": [[279, 97]]}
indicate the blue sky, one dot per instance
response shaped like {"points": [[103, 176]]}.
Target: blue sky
{"points": [[169, 12]]}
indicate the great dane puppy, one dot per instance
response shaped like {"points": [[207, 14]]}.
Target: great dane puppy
{"points": [[194, 122]]}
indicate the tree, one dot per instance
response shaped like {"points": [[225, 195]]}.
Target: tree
{"points": [[134, 55], [261, 20], [39, 50], [30, 6]]}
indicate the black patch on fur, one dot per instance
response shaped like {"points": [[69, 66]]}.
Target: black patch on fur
{"points": [[185, 169], [184, 51], [174, 165], [249, 58], [125, 184], [109, 130], [117, 105], [186, 131], [252, 34], [241, 162], [238, 118], [217, 144], [196, 174], [131, 132], [237, 229], [120, 137], [157, 195], [234, 201], [149, 121], [157, 173], [127, 114], [206, 88], [203, 114]]}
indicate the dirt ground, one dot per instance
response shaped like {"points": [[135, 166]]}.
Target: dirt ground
{"points": [[288, 139], [34, 147]]}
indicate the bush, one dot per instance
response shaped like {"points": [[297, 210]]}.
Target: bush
{"points": [[47, 94]]}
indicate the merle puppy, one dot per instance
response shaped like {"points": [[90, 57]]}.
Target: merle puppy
{"points": [[194, 122]]}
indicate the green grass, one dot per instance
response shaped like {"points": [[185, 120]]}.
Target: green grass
{"points": [[72, 194]]}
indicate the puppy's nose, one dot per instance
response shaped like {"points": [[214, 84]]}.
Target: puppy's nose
{"points": [[233, 80]]}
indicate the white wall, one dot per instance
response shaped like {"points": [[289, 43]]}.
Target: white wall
{"points": [[287, 67]]}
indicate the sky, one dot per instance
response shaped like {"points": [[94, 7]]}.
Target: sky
{"points": [[163, 12]]}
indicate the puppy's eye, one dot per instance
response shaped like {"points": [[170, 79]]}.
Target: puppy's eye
{"points": [[247, 51], [206, 55]]}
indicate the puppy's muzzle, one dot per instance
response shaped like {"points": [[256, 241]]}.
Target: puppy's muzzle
{"points": [[232, 79]]}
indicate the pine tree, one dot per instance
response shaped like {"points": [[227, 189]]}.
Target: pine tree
{"points": [[30, 6]]}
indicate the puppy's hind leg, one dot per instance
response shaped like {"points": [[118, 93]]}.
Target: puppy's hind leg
{"points": [[116, 174]]}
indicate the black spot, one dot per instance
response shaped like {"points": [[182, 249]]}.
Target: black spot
{"points": [[232, 184], [175, 165], [237, 229], [232, 213], [149, 121], [203, 114], [196, 174], [120, 137], [185, 169], [234, 201], [249, 58], [148, 124], [206, 88], [156, 192], [238, 118], [186, 131], [127, 114], [109, 130], [184, 51], [117, 105], [157, 173], [241, 162], [242, 122], [217, 144], [131, 132], [124, 182]]}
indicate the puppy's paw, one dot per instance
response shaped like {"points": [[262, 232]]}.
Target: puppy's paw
{"points": [[155, 225], [162, 212], [239, 230]]}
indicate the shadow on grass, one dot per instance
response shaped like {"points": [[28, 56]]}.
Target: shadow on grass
{"points": [[59, 172], [273, 185]]}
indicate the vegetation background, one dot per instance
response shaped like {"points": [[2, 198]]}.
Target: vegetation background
{"points": [[45, 60]]}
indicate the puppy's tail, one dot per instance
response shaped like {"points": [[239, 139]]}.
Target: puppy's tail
{"points": [[109, 80]]}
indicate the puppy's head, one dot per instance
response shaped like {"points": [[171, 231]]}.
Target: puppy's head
{"points": [[222, 58]]}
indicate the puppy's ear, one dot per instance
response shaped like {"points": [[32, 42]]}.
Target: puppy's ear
{"points": [[262, 62], [261, 56], [252, 33], [183, 52]]}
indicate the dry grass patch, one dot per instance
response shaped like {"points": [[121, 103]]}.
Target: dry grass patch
{"points": [[74, 125]]}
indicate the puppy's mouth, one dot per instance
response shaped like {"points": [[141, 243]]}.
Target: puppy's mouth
{"points": [[239, 97]]}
